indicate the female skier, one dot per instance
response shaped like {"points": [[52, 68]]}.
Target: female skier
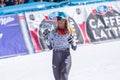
{"points": [[60, 39]]}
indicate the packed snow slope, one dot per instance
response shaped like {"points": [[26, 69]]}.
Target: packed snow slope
{"points": [[89, 62]]}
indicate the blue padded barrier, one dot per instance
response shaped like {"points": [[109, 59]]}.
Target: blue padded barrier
{"points": [[35, 6], [27, 7], [84, 2]]}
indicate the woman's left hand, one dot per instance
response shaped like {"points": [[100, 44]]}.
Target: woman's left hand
{"points": [[70, 39]]}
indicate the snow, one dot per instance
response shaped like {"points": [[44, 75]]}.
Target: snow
{"points": [[89, 62]]}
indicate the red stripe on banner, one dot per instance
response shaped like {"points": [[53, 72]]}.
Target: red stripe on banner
{"points": [[35, 39], [83, 28], [21, 17], [46, 18]]}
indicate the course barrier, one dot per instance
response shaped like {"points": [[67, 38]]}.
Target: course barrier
{"points": [[37, 6]]}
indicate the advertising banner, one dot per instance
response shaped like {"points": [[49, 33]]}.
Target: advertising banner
{"points": [[92, 23], [103, 23], [11, 40]]}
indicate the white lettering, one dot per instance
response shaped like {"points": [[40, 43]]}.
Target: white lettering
{"points": [[119, 31], [72, 25], [103, 35], [108, 32], [112, 29], [118, 28], [95, 35], [91, 23], [115, 31], [5, 20], [109, 21], [112, 20], [100, 24], [106, 21], [118, 20], [1, 35]]}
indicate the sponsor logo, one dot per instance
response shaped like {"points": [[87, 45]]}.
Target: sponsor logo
{"points": [[6, 20], [78, 11], [101, 10], [31, 17]]}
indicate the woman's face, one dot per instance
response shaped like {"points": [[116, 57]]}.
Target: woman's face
{"points": [[61, 23]]}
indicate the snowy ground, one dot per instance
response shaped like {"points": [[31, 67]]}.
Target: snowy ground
{"points": [[91, 62]]}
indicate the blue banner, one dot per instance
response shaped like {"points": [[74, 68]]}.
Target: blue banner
{"points": [[11, 39]]}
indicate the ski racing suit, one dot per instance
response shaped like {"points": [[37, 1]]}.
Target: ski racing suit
{"points": [[61, 54]]}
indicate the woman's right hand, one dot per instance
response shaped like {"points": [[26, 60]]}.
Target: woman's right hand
{"points": [[45, 34]]}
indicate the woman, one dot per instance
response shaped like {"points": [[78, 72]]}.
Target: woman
{"points": [[60, 39]]}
